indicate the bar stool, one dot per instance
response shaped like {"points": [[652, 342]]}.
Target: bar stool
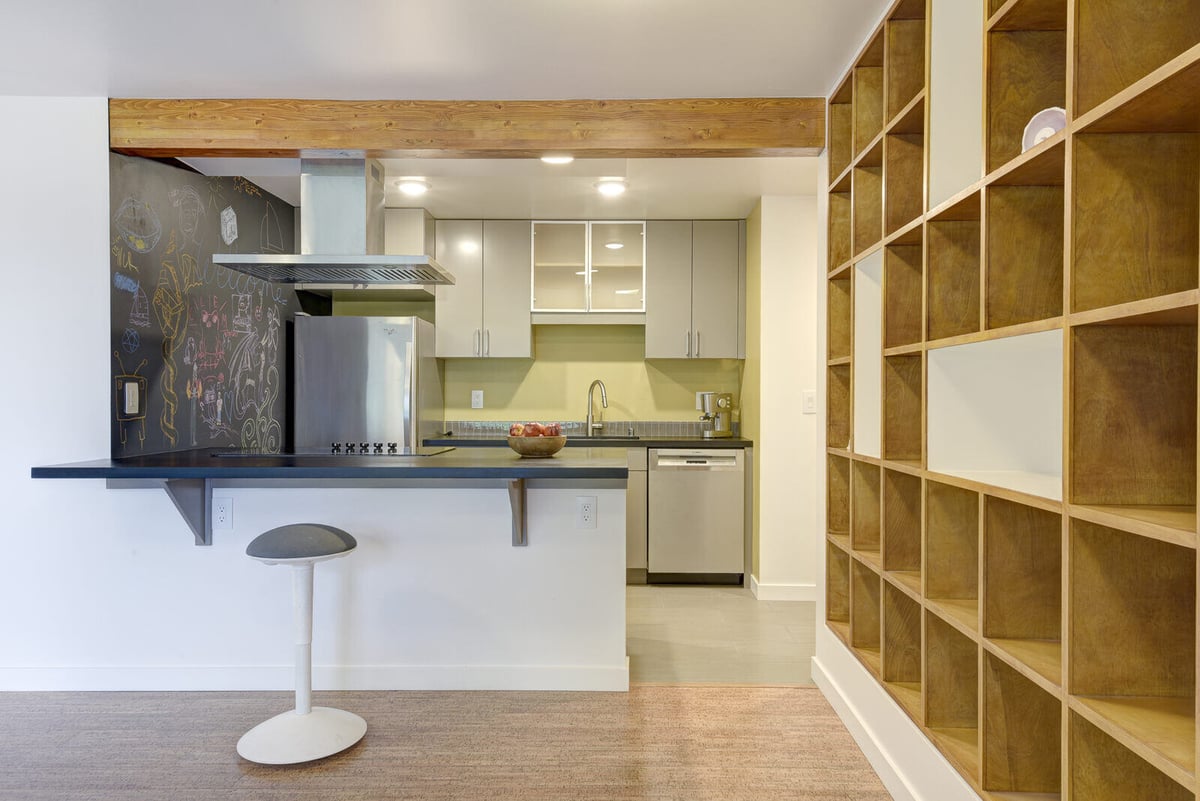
{"points": [[307, 732]]}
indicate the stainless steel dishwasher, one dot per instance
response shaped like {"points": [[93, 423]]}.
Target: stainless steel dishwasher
{"points": [[695, 514]]}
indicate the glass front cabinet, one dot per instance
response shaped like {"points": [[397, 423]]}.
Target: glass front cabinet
{"points": [[589, 266]]}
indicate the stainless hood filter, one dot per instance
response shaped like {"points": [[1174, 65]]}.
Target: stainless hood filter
{"points": [[341, 234]]}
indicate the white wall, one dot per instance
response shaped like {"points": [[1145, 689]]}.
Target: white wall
{"points": [[955, 97], [789, 530]]}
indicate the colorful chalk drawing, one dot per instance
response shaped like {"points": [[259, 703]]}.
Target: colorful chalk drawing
{"points": [[138, 225], [210, 336]]}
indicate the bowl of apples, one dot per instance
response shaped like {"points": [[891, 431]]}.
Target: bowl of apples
{"points": [[535, 440]]}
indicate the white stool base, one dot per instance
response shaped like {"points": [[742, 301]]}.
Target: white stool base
{"points": [[291, 737]]}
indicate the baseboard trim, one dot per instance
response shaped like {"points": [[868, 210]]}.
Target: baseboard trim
{"points": [[908, 764], [325, 677], [782, 592]]}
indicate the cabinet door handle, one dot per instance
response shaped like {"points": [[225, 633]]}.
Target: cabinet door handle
{"points": [[487, 342], [475, 341], [687, 344], [697, 344]]}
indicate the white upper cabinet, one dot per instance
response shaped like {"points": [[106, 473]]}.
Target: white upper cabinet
{"points": [[693, 273], [486, 311], [588, 267]]}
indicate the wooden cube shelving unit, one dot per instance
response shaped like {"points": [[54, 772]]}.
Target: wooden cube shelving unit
{"points": [[902, 529], [1029, 597]]}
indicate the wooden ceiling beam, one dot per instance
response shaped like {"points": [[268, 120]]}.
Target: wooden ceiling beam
{"points": [[706, 127]]}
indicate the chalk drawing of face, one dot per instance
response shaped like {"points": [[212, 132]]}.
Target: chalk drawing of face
{"points": [[191, 209]]}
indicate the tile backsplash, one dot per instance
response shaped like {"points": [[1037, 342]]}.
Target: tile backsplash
{"points": [[483, 429]]}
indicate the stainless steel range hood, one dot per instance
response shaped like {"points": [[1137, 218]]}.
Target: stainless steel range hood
{"points": [[341, 234]]}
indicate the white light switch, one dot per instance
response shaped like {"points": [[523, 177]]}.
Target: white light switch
{"points": [[131, 397], [477, 399], [808, 401]]}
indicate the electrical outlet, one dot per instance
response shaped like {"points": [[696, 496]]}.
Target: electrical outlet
{"points": [[222, 514], [585, 514], [477, 399]]}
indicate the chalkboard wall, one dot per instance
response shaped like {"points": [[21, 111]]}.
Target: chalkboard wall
{"points": [[198, 356]]}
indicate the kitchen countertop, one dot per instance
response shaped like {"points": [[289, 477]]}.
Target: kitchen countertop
{"points": [[607, 442], [465, 463]]}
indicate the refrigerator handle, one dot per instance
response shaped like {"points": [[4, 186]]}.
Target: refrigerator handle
{"points": [[487, 342], [410, 380], [475, 342]]}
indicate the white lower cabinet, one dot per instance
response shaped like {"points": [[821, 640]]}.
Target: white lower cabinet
{"points": [[693, 276], [486, 311]]}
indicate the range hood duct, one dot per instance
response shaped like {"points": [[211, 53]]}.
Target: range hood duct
{"points": [[341, 234]]}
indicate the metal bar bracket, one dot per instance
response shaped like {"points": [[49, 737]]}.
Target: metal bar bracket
{"points": [[520, 520], [193, 498]]}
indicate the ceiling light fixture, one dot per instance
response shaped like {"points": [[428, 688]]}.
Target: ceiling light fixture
{"points": [[413, 186], [614, 245], [611, 187], [557, 158]]}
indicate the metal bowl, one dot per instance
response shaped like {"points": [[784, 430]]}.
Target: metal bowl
{"points": [[537, 447]]}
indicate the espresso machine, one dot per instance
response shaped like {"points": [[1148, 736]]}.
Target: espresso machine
{"points": [[718, 414]]}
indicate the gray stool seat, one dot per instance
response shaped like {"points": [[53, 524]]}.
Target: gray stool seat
{"points": [[300, 541], [309, 732]]}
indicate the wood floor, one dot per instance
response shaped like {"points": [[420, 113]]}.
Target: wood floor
{"points": [[685, 743]]}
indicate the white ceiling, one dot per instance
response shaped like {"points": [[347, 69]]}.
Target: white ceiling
{"points": [[461, 49]]}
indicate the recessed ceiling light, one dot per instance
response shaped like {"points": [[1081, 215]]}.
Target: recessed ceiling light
{"points": [[412, 186], [557, 158], [614, 245], [611, 187]]}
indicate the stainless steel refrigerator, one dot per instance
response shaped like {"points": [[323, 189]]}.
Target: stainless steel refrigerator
{"points": [[365, 380]]}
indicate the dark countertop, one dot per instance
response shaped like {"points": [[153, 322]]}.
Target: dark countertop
{"points": [[461, 463], [607, 442]]}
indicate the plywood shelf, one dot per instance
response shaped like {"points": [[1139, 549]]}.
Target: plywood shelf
{"points": [[952, 277], [1022, 723], [840, 629], [903, 166], [1027, 73], [908, 581], [903, 379], [839, 227], [1027, 15], [908, 695], [1174, 524], [903, 273], [952, 693], [902, 524], [837, 495], [1133, 403], [1103, 769], [864, 607], [840, 318], [1120, 585], [904, 60], [841, 121], [952, 550], [1039, 660], [1024, 254], [901, 639], [867, 192], [864, 499], [838, 406], [837, 585], [1022, 583], [1151, 184], [1159, 730], [1167, 100], [868, 94], [1119, 42], [962, 613]]}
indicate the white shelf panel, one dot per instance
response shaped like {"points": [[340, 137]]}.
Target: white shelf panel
{"points": [[996, 412], [868, 361]]}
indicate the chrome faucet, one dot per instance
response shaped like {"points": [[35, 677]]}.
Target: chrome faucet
{"points": [[592, 427]]}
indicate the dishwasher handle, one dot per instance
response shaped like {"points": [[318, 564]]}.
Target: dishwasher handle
{"points": [[723, 459]]}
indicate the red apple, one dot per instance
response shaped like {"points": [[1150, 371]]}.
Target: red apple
{"points": [[533, 430], [516, 430]]}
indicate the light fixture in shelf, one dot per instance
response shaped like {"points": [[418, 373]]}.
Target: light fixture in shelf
{"points": [[611, 187], [628, 291], [557, 158], [413, 186], [614, 245]]}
